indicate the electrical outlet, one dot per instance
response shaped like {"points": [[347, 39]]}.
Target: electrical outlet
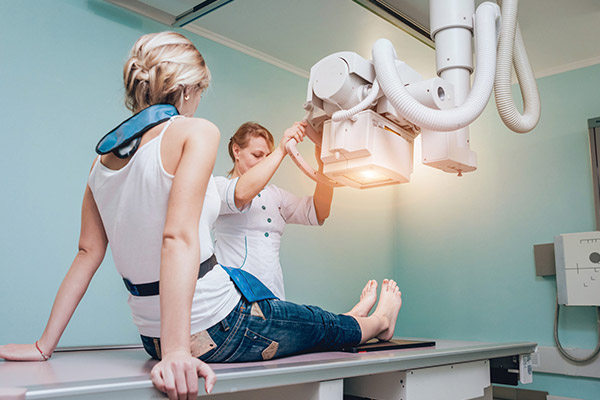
{"points": [[577, 257]]}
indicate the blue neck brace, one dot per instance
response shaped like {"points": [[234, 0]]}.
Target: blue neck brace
{"points": [[125, 139]]}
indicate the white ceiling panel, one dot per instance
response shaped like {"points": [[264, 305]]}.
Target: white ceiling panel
{"points": [[294, 34], [173, 7], [302, 32]]}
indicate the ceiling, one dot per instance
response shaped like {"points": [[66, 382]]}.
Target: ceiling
{"points": [[294, 34]]}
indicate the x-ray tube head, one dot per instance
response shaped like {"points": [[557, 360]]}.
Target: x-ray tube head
{"points": [[365, 114], [366, 152]]}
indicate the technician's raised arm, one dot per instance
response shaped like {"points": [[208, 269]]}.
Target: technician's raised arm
{"points": [[323, 193], [253, 180]]}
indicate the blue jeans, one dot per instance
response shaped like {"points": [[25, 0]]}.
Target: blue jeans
{"points": [[269, 329]]}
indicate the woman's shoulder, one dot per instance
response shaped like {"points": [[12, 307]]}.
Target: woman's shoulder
{"points": [[193, 121], [274, 188], [222, 179], [276, 191], [197, 137], [283, 196], [192, 127]]}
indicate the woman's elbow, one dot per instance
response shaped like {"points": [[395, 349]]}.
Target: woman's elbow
{"points": [[321, 219], [178, 241], [241, 199], [95, 254]]}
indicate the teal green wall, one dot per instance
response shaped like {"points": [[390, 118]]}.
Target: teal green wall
{"points": [[464, 252], [60, 76], [461, 248]]}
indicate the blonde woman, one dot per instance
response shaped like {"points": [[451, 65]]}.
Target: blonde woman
{"points": [[153, 199]]}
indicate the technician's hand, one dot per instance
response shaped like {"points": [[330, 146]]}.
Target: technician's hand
{"points": [[310, 131], [177, 376], [20, 352], [296, 131]]}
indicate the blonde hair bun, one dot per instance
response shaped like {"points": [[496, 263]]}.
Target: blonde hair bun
{"points": [[161, 66]]}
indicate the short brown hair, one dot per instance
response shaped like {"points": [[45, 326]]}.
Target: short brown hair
{"points": [[243, 134]]}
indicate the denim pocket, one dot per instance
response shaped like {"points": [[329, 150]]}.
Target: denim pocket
{"points": [[201, 343], [254, 347]]}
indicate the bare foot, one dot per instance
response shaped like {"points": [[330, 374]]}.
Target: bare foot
{"points": [[390, 301], [368, 298]]}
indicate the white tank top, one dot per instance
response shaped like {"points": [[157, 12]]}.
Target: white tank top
{"points": [[132, 202]]}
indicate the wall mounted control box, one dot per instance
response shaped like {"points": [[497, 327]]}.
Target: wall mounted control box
{"points": [[577, 257]]}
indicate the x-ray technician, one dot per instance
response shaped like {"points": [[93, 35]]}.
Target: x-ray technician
{"points": [[253, 214]]}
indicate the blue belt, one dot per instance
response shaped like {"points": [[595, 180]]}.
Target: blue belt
{"points": [[249, 286]]}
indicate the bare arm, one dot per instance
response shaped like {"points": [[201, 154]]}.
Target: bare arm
{"points": [[323, 193], [256, 178], [92, 248], [178, 372]]}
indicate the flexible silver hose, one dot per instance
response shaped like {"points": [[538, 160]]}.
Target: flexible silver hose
{"points": [[366, 102], [563, 351], [455, 118]]}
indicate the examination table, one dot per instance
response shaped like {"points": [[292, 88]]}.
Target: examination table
{"points": [[450, 370]]}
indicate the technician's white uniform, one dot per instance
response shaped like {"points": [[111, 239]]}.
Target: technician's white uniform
{"points": [[250, 238]]}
